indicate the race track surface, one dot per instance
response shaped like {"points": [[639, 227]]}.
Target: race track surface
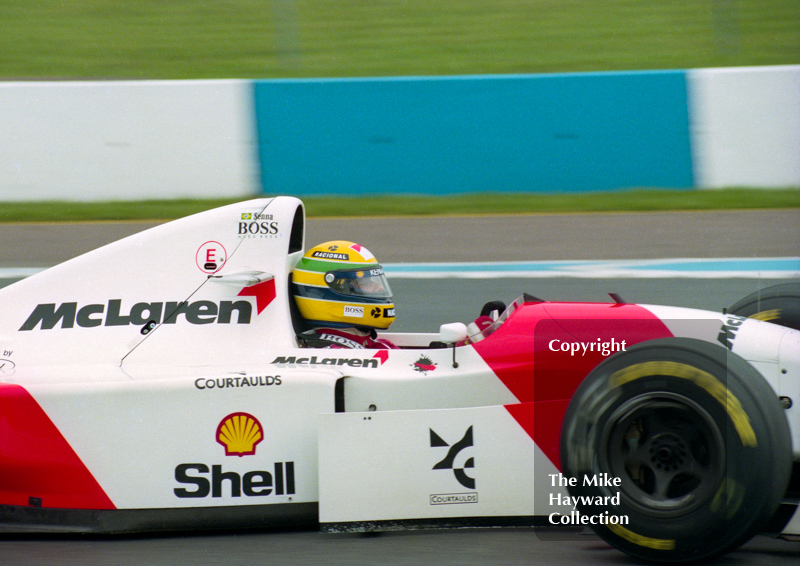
{"points": [[760, 233], [466, 547]]}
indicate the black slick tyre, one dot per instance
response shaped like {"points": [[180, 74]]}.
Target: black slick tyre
{"points": [[778, 304], [697, 440]]}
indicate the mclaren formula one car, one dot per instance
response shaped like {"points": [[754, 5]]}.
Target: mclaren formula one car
{"points": [[161, 383]]}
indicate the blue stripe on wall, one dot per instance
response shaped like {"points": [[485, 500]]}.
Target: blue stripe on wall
{"points": [[445, 135]]}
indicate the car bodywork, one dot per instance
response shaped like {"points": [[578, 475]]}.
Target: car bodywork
{"points": [[158, 383]]}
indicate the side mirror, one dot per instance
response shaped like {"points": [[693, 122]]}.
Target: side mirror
{"points": [[453, 332]]}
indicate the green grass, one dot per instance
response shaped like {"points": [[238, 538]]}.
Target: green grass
{"points": [[181, 39], [495, 203]]}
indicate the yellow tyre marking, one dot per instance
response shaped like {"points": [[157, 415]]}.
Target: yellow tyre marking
{"points": [[699, 377], [630, 536], [729, 497], [771, 314]]}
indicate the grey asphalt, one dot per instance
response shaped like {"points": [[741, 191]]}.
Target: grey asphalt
{"points": [[528, 237], [467, 547]]}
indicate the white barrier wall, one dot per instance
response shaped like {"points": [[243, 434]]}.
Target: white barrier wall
{"points": [[127, 140], [745, 126], [131, 140]]}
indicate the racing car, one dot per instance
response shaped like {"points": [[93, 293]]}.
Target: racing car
{"points": [[160, 383]]}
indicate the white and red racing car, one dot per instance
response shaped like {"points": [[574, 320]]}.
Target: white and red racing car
{"points": [[158, 383]]}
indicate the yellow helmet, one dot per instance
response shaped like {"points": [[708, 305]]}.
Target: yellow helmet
{"points": [[341, 284]]}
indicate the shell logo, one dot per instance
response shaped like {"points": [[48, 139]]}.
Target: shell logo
{"points": [[239, 433]]}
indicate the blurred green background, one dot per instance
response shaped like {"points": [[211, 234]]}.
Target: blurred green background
{"points": [[183, 39], [638, 200], [199, 39]]}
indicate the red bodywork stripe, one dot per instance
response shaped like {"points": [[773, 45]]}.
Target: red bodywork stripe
{"points": [[37, 465], [545, 417], [519, 353]]}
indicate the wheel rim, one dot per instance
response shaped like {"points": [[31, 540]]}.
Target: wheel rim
{"points": [[668, 452]]}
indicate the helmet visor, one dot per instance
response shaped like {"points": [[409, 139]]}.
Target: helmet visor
{"points": [[370, 283]]}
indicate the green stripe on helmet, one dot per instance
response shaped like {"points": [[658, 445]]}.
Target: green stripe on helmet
{"points": [[323, 266]]}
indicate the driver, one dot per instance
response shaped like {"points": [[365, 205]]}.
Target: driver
{"points": [[341, 291]]}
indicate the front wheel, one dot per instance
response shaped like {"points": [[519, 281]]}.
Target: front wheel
{"points": [[680, 450]]}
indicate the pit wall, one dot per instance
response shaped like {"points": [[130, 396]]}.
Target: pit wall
{"points": [[130, 140]]}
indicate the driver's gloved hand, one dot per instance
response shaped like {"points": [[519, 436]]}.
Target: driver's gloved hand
{"points": [[489, 313]]}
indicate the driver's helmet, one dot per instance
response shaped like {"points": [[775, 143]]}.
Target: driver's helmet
{"points": [[341, 284]]}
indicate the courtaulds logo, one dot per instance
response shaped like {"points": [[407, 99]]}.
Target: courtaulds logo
{"points": [[448, 462], [239, 433]]}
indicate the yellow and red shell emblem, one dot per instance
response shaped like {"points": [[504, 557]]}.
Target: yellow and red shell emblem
{"points": [[239, 433]]}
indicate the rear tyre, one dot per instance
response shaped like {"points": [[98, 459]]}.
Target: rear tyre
{"points": [[779, 304], [695, 440]]}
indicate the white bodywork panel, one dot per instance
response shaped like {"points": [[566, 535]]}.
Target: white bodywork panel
{"points": [[379, 466], [133, 436], [93, 310]]}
